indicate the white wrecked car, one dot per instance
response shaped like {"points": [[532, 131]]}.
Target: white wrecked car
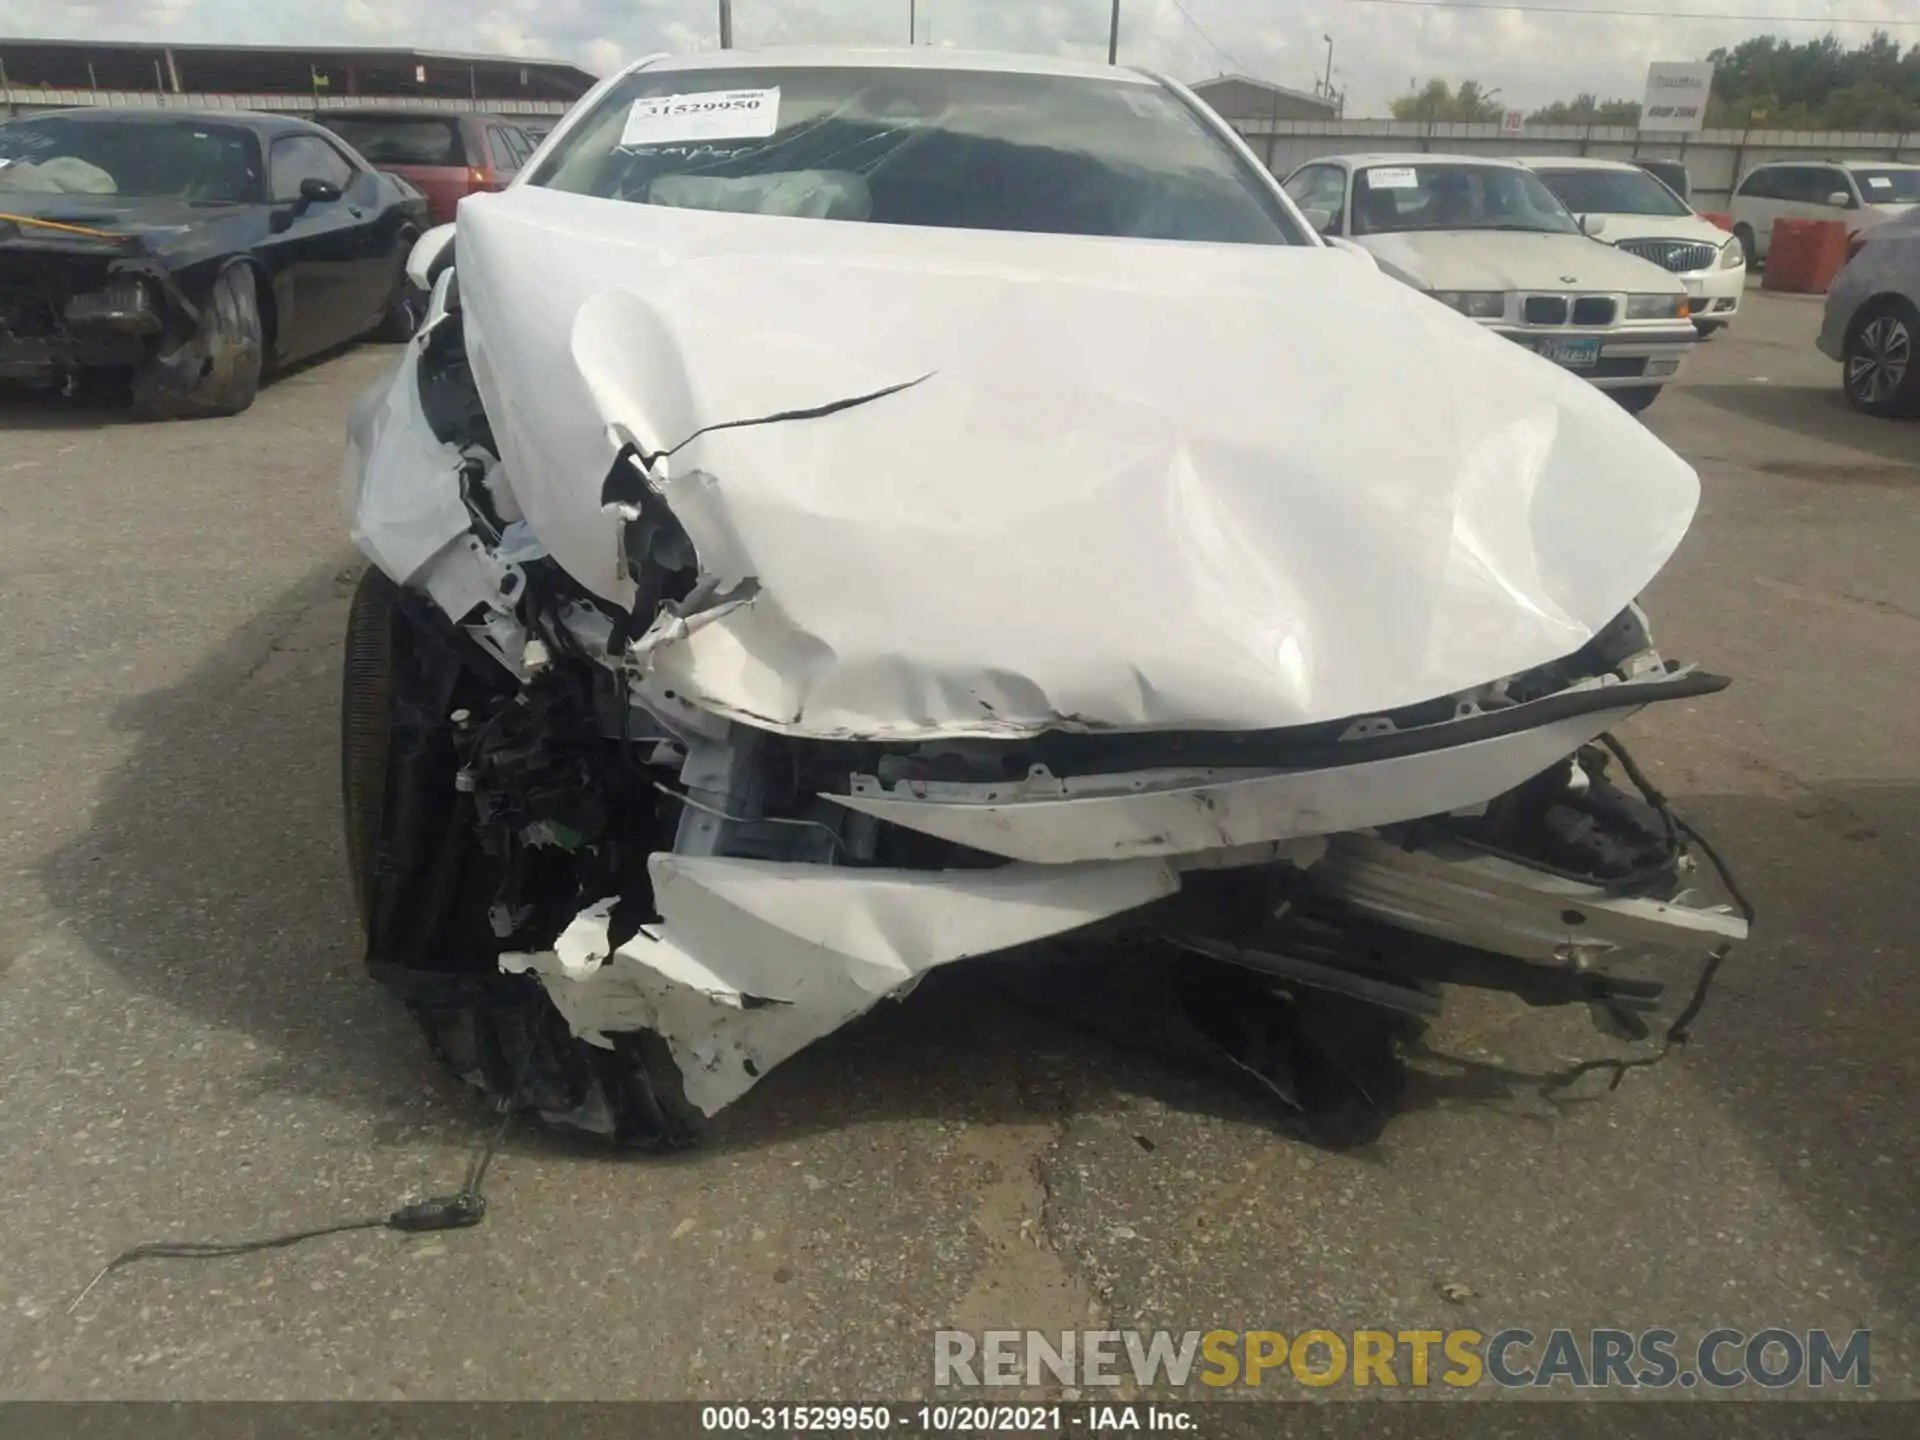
{"points": [[852, 512]]}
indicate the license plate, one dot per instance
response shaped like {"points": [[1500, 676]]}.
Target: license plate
{"points": [[1574, 354]]}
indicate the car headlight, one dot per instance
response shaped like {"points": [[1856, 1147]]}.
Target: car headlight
{"points": [[1480, 304], [1656, 307], [1732, 256]]}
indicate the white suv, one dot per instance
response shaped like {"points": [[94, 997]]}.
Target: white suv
{"points": [[1864, 193]]}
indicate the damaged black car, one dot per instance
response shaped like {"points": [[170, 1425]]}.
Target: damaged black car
{"points": [[187, 254]]}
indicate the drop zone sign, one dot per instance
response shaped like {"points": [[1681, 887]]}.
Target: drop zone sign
{"points": [[1676, 95]]}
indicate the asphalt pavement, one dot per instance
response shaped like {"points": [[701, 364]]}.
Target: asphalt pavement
{"points": [[190, 1049]]}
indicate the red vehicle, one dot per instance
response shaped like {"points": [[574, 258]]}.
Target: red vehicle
{"points": [[444, 156]]}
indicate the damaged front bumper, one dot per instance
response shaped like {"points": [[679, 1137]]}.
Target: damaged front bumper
{"points": [[60, 315], [749, 961]]}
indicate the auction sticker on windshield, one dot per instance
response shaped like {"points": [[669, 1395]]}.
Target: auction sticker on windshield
{"points": [[705, 115], [1396, 177]]}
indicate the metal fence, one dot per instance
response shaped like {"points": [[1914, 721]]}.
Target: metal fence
{"points": [[1715, 159]]}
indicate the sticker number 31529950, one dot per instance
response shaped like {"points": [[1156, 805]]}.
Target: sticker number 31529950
{"points": [[707, 115]]}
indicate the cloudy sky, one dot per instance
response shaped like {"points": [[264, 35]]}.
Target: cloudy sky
{"points": [[1378, 49]]}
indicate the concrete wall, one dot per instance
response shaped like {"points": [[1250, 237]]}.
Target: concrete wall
{"points": [[25, 100], [1715, 159]]}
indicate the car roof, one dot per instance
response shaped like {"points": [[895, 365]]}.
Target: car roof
{"points": [[258, 121], [1356, 160], [403, 112], [1844, 162], [1577, 162], [919, 57]]}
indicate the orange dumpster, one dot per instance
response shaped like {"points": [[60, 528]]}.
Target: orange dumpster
{"points": [[1804, 255]]}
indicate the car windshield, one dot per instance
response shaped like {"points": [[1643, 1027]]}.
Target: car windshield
{"points": [[401, 139], [179, 159], [976, 150], [1447, 196], [1612, 192], [1669, 173], [1889, 187]]}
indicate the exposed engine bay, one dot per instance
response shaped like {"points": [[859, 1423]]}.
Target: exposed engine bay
{"points": [[630, 830]]}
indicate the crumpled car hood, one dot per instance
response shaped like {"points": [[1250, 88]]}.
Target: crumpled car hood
{"points": [[1139, 485]]}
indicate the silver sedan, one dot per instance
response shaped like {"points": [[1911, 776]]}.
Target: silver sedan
{"points": [[1872, 324]]}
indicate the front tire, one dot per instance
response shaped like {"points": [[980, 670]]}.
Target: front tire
{"points": [[1880, 361], [422, 885], [226, 359], [1637, 398]]}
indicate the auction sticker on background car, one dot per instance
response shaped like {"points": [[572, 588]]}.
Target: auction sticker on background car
{"points": [[706, 115]]}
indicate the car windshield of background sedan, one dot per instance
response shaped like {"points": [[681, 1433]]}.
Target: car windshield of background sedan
{"points": [[401, 140], [1388, 198], [147, 159], [949, 148], [1889, 187], [1613, 192]]}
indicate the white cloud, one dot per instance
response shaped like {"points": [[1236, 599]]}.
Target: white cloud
{"points": [[1378, 49]]}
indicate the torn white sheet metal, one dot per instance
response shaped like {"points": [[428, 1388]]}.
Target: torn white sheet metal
{"points": [[400, 485], [1147, 484], [1246, 808], [754, 960], [1452, 892]]}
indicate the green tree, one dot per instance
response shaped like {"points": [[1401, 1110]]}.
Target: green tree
{"points": [[1437, 100], [1816, 84], [1587, 109]]}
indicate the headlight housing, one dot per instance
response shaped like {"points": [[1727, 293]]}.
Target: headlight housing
{"points": [[1478, 304], [1732, 256], [1656, 307]]}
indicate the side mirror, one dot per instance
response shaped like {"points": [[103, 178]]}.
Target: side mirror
{"points": [[1316, 216], [1355, 250], [316, 191], [1592, 224], [1840, 200], [431, 253]]}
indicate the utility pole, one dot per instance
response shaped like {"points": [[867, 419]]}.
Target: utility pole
{"points": [[913, 22], [726, 24], [1113, 36]]}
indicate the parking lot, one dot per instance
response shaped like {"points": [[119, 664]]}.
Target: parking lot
{"points": [[189, 1047]]}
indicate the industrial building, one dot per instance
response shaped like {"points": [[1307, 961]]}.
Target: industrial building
{"points": [[1237, 98], [48, 74]]}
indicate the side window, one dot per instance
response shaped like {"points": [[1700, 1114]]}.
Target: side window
{"points": [[523, 144], [298, 158], [1835, 182], [1759, 185], [1320, 187], [1804, 184], [501, 148]]}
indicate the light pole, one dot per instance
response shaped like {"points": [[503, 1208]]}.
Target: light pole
{"points": [[726, 24], [1113, 36], [913, 22], [1326, 85]]}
